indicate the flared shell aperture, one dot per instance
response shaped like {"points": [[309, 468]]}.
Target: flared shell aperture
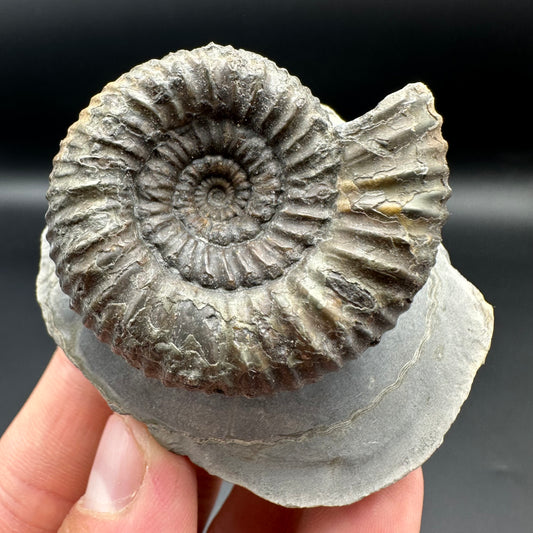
{"points": [[221, 230]]}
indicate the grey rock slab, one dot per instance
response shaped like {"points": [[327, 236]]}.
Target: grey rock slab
{"points": [[333, 442]]}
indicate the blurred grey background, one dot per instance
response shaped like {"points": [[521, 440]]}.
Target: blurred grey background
{"points": [[476, 57]]}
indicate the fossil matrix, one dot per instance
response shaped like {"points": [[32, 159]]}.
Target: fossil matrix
{"points": [[271, 276]]}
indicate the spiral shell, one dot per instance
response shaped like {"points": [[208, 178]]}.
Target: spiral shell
{"points": [[220, 229]]}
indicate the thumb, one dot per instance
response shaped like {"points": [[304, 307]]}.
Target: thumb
{"points": [[135, 485]]}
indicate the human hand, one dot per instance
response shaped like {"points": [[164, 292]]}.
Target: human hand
{"points": [[50, 479]]}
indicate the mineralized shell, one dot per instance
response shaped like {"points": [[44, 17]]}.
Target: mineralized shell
{"points": [[222, 230]]}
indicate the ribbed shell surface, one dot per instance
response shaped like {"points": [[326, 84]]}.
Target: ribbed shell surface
{"points": [[211, 223]]}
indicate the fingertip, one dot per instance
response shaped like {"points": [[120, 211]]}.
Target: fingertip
{"points": [[135, 485], [118, 469]]}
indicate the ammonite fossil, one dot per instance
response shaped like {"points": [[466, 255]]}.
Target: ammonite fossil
{"points": [[216, 226], [224, 231]]}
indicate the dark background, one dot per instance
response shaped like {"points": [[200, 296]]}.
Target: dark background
{"points": [[477, 58]]}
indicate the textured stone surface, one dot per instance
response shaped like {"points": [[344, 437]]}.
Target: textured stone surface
{"points": [[224, 231], [330, 443]]}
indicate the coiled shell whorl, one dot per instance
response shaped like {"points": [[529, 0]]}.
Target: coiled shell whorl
{"points": [[220, 229]]}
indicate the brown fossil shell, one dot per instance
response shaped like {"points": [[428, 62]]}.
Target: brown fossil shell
{"points": [[222, 230]]}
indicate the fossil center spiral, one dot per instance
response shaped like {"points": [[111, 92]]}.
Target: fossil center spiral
{"points": [[216, 200], [213, 202]]}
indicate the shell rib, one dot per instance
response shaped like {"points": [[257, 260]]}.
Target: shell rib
{"points": [[210, 222]]}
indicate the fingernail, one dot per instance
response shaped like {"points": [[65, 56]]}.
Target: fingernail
{"points": [[117, 471]]}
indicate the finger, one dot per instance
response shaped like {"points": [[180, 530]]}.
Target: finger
{"points": [[47, 451], [135, 485], [208, 488], [244, 512], [395, 509]]}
